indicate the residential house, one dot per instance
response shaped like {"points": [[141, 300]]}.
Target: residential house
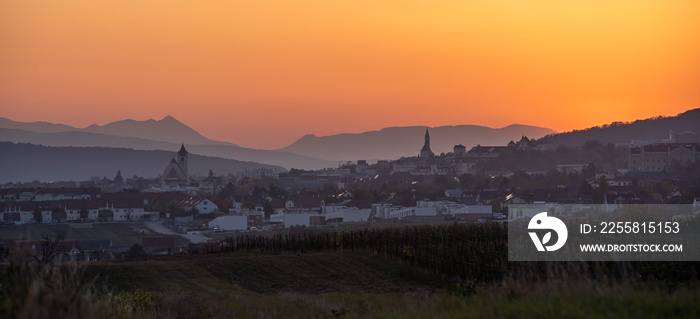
{"points": [[198, 204]]}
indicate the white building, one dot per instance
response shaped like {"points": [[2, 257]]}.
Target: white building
{"points": [[229, 222], [177, 170], [527, 211], [202, 205], [472, 209], [414, 211], [277, 218], [383, 210], [349, 215], [297, 220]]}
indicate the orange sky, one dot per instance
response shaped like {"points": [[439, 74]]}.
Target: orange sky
{"points": [[263, 73]]}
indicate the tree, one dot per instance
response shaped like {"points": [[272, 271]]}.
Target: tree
{"points": [[275, 191], [482, 183], [268, 209], [585, 190], [136, 251], [505, 183], [47, 246], [227, 191], [174, 210], [118, 179], [602, 190], [466, 180], [589, 171], [443, 182], [37, 216]]}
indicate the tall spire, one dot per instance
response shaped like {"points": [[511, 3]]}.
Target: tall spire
{"points": [[427, 138], [425, 152], [182, 151]]}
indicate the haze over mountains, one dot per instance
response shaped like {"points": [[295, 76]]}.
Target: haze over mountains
{"points": [[58, 141], [166, 130], [27, 162], [394, 142], [309, 152], [166, 134]]}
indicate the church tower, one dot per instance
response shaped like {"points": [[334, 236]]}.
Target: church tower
{"points": [[182, 161], [425, 152]]}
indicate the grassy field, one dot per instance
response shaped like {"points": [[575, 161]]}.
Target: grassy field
{"points": [[345, 280], [333, 285]]}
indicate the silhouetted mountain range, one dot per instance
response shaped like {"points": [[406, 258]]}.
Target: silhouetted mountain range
{"points": [[27, 162], [102, 150], [395, 142], [166, 134], [624, 133], [166, 130]]}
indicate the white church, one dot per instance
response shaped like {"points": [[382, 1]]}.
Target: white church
{"points": [[176, 171]]}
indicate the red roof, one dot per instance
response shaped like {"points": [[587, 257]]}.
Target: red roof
{"points": [[72, 190], [278, 202]]}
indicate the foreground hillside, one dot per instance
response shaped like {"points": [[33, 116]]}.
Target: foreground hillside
{"points": [[624, 133], [300, 277], [300, 286]]}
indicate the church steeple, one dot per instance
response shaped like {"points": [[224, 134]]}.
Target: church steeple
{"points": [[182, 151], [182, 155], [425, 152]]}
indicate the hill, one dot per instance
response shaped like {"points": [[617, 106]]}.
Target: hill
{"points": [[395, 142], [167, 129], [27, 162], [43, 127], [624, 133], [60, 135]]}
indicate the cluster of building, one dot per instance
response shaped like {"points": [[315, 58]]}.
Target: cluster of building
{"points": [[458, 162], [59, 205], [315, 207], [328, 209], [659, 155]]}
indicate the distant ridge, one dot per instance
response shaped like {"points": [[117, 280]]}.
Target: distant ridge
{"points": [[166, 134], [28, 162], [624, 133], [167, 129], [41, 127], [395, 142]]}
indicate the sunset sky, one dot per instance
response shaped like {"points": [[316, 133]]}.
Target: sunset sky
{"points": [[264, 73]]}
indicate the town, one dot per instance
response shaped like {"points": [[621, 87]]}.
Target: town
{"points": [[474, 185]]}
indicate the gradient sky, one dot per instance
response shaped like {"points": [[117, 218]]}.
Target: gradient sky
{"points": [[264, 73]]}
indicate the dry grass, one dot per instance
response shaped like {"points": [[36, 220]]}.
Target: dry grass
{"points": [[342, 283]]}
